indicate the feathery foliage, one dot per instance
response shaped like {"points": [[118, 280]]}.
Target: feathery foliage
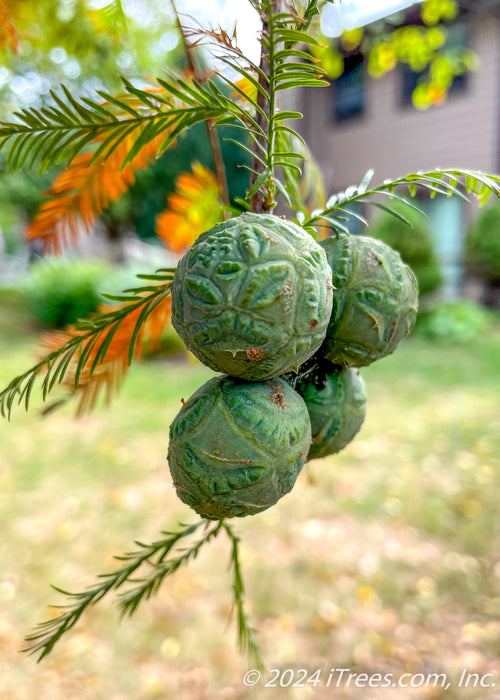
{"points": [[83, 191], [284, 65], [445, 182], [246, 634], [108, 139], [149, 584], [50, 632], [164, 558], [86, 346], [122, 133], [305, 190], [111, 137], [106, 374], [56, 134]]}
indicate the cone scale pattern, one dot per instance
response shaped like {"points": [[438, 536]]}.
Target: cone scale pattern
{"points": [[374, 304], [252, 297], [237, 447], [336, 402]]}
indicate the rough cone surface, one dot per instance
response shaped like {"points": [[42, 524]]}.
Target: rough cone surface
{"points": [[252, 297], [236, 447], [336, 401], [375, 300]]}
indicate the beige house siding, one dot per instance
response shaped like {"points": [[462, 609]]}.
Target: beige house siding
{"points": [[395, 140]]}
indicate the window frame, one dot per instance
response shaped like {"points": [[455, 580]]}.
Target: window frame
{"points": [[357, 113]]}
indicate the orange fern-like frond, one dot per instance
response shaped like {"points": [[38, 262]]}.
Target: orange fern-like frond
{"points": [[110, 371], [8, 33], [194, 207], [83, 191]]}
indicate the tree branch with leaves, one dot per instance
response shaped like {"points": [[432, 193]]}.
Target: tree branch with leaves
{"points": [[112, 136]]}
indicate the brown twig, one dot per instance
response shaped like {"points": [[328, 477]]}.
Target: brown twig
{"points": [[220, 168]]}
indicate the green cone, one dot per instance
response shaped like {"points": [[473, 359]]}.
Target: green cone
{"points": [[252, 297], [336, 401], [236, 447], [375, 300]]}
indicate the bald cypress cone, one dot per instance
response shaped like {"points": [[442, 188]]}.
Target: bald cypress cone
{"points": [[252, 297], [375, 300], [236, 447], [336, 402]]}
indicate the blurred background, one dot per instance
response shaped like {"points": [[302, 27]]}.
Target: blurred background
{"points": [[383, 558]]}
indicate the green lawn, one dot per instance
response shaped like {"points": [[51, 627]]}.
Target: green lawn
{"points": [[384, 558]]}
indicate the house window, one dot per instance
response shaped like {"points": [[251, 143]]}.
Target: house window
{"points": [[349, 90], [456, 43], [409, 83]]}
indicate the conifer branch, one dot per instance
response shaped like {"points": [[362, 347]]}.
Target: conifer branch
{"points": [[282, 66], [445, 182], [89, 343], [261, 203], [147, 586], [82, 191], [246, 634], [48, 633], [106, 371], [57, 134]]}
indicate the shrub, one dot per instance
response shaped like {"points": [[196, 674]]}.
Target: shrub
{"points": [[483, 245], [59, 292], [413, 243], [455, 322]]}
